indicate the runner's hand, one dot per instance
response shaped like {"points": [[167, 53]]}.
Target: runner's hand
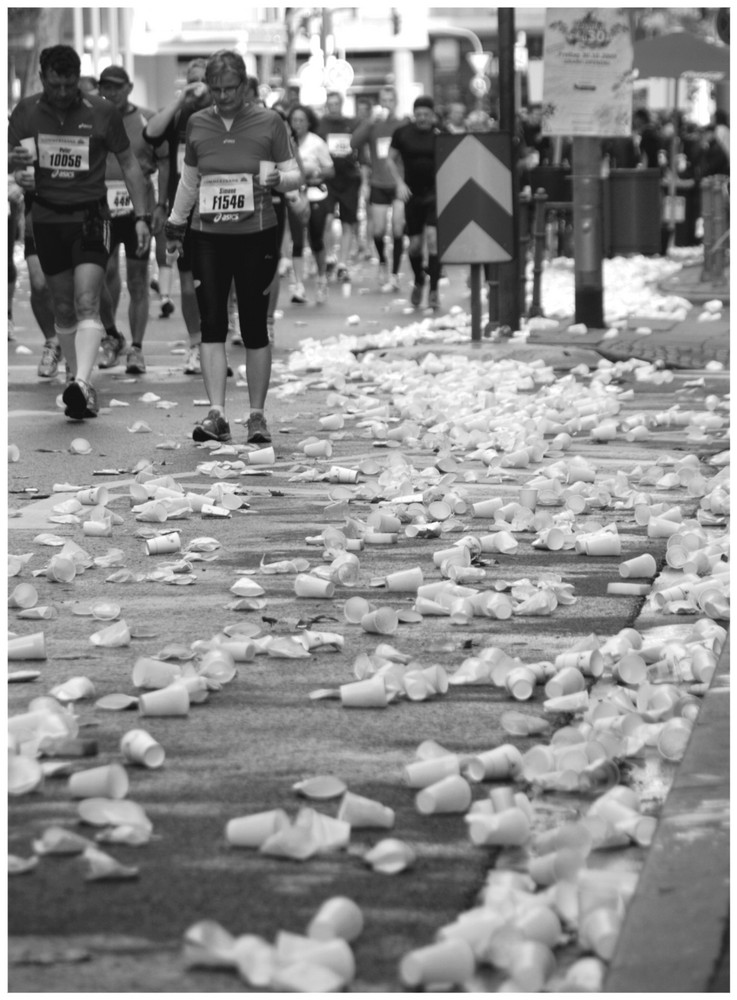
{"points": [[20, 157], [143, 234], [159, 220], [403, 192]]}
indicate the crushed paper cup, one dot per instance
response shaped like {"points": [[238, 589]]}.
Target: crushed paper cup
{"points": [[102, 866], [119, 702], [492, 765], [338, 917], [254, 829], [117, 634], [24, 775], [306, 976], [333, 953], [80, 446], [113, 812], [74, 689], [361, 812], [561, 864], [320, 787], [422, 773], [60, 840], [60, 569], [390, 856], [508, 828]]}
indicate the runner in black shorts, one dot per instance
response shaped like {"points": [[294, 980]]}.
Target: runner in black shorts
{"points": [[66, 136], [412, 152], [344, 187], [170, 125]]}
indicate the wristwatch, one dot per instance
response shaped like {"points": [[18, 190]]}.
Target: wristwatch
{"points": [[144, 218]]}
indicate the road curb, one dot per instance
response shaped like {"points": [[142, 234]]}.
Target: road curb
{"points": [[676, 928]]}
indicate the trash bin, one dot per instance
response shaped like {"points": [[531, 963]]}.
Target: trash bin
{"points": [[556, 180], [633, 199]]}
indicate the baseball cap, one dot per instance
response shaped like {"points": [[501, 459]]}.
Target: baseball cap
{"points": [[114, 74]]}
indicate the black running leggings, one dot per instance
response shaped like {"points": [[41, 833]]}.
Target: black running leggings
{"points": [[250, 260]]}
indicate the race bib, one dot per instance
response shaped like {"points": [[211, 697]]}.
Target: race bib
{"points": [[68, 153], [118, 199], [180, 157], [226, 197], [382, 146], [339, 144]]}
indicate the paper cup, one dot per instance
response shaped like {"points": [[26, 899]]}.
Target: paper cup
{"points": [[528, 497], [487, 508], [405, 580], [449, 795], [605, 544], [383, 521], [94, 495], [568, 680], [107, 782], [445, 963], [307, 585], [361, 812], [502, 797], [171, 700], [662, 527], [556, 865], [601, 929], [502, 762], [139, 747], [520, 682], [318, 449], [262, 456], [163, 543], [383, 621], [674, 737], [531, 965], [24, 595], [368, 693], [254, 829], [355, 608], [640, 566], [61, 569], [509, 828], [589, 661], [265, 167], [422, 773], [27, 647], [338, 917], [154, 674]]}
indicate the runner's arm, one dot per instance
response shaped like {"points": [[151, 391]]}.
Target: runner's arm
{"points": [[361, 134], [136, 184], [185, 197], [393, 162], [158, 123]]}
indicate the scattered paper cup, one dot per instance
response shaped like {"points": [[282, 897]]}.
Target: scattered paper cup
{"points": [[338, 917], [405, 580], [640, 566], [170, 542], [27, 647], [154, 674], [139, 747], [510, 828], [368, 693], [449, 963], [307, 585], [24, 595], [107, 782], [318, 449], [532, 963], [502, 762], [355, 608], [254, 829], [362, 812], [171, 700], [94, 495], [383, 621], [262, 456], [422, 773], [520, 682], [567, 680], [449, 795], [61, 569]]}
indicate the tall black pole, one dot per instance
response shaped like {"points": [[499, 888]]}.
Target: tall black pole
{"points": [[509, 304], [588, 231]]}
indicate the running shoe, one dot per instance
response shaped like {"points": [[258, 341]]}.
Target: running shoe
{"points": [[167, 308], [111, 347], [392, 285], [48, 366], [80, 401], [258, 432], [134, 361], [321, 292], [213, 428], [341, 273], [416, 296], [433, 299], [298, 293], [193, 362]]}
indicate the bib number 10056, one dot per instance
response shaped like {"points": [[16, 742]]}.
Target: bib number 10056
{"points": [[71, 160]]}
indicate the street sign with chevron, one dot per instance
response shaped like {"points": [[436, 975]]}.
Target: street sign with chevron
{"points": [[473, 182]]}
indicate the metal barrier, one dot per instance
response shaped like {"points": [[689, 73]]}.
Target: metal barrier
{"points": [[714, 212]]}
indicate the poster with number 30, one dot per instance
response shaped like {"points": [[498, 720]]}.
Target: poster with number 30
{"points": [[587, 80]]}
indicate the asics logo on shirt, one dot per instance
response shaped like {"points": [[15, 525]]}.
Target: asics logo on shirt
{"points": [[229, 217], [84, 125], [230, 142], [64, 174]]}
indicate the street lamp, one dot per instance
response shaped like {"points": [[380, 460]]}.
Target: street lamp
{"points": [[478, 60]]}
